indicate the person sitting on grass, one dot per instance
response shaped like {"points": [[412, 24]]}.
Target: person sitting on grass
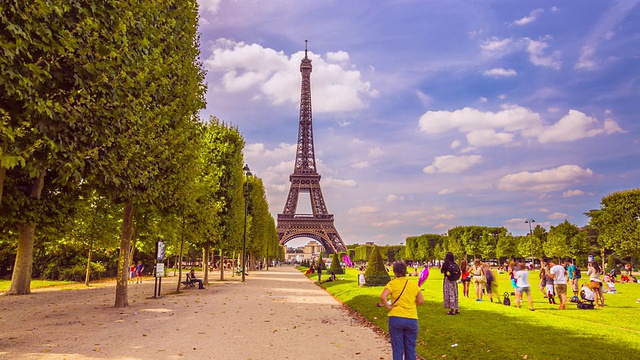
{"points": [[192, 277], [331, 278]]}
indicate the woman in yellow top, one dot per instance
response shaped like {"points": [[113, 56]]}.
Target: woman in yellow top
{"points": [[401, 298]]}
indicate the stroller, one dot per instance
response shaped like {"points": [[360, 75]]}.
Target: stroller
{"points": [[587, 298]]}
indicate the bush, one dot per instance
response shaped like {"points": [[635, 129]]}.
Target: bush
{"points": [[612, 263], [75, 273], [335, 265], [376, 274]]}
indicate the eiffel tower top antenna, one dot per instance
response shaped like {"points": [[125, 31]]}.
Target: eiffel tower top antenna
{"points": [[305, 155]]}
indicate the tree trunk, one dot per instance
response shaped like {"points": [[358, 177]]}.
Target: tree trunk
{"points": [[180, 257], [21, 276], [132, 244], [205, 263], [3, 173], [221, 265], [88, 275], [122, 299]]}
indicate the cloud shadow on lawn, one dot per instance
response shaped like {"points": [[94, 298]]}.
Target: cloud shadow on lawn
{"points": [[488, 334]]}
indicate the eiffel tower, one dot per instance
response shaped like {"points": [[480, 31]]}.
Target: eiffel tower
{"points": [[306, 180]]}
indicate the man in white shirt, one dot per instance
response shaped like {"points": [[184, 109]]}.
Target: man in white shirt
{"points": [[558, 274]]}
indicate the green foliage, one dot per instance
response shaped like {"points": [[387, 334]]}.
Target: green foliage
{"points": [[363, 253], [335, 264], [76, 272], [566, 240], [376, 273], [618, 222], [507, 246]]}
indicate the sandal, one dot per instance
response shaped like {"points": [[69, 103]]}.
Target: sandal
{"points": [[457, 311], [451, 313]]}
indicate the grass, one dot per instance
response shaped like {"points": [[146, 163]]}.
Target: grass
{"points": [[486, 330], [39, 284]]}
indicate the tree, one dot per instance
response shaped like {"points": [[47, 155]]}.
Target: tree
{"points": [[376, 273], [618, 222], [335, 264], [506, 246], [566, 240]]}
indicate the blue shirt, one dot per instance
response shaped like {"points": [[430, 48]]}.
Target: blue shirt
{"points": [[571, 269]]}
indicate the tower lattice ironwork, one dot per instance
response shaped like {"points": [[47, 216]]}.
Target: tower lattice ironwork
{"points": [[306, 180]]}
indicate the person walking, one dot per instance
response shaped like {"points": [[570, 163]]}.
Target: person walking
{"points": [[573, 276], [401, 297], [478, 279], [319, 270], [523, 287], [557, 273], [139, 271], [542, 275], [595, 283], [465, 277], [450, 284]]}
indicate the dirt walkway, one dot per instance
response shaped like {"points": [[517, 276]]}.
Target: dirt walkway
{"points": [[275, 314]]}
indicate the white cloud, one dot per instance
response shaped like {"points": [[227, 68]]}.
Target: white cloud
{"points": [[603, 31], [533, 16], [546, 180], [424, 98], [375, 151], [394, 198], [455, 144], [338, 57], [500, 72], [363, 210], [452, 164], [388, 223], [511, 118], [502, 127], [494, 44], [275, 76], [570, 193], [209, 5], [536, 48], [332, 182], [574, 126], [557, 216], [488, 137], [446, 191], [361, 165]]}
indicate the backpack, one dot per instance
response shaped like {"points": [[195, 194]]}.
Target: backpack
{"points": [[506, 300], [454, 272], [577, 273]]}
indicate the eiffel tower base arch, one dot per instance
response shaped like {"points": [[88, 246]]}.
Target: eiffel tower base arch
{"points": [[317, 227]]}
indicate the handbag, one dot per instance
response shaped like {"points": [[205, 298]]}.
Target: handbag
{"points": [[506, 300]]}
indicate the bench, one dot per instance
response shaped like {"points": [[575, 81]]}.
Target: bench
{"points": [[187, 282]]}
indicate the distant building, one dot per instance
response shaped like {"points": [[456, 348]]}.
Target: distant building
{"points": [[310, 251]]}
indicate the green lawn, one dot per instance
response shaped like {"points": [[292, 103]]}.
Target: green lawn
{"points": [[38, 284], [486, 330]]}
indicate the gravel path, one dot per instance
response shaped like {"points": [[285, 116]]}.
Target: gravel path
{"points": [[275, 314]]}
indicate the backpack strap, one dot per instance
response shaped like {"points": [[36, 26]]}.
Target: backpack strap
{"points": [[401, 292]]}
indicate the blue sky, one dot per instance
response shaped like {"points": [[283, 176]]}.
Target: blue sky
{"points": [[432, 114]]}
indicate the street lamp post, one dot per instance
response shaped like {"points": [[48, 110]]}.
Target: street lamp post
{"points": [[529, 221], [247, 173]]}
